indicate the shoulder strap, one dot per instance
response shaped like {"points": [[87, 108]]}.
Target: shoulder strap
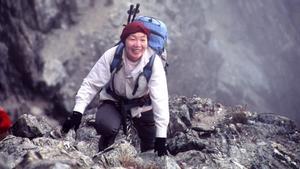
{"points": [[147, 72], [116, 64]]}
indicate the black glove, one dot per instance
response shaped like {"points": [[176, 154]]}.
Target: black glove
{"points": [[72, 121], [160, 146]]}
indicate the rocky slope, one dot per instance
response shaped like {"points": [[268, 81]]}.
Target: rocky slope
{"points": [[48, 46], [202, 134]]}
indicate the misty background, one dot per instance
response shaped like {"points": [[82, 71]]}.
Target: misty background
{"points": [[239, 52], [233, 51]]}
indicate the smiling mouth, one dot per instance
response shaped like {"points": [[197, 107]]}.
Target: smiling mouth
{"points": [[136, 50]]}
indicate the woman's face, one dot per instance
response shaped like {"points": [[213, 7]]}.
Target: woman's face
{"points": [[135, 46]]}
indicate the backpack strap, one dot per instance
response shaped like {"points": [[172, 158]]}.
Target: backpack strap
{"points": [[116, 64], [147, 72]]}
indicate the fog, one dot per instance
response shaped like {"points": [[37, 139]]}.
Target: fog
{"points": [[238, 53]]}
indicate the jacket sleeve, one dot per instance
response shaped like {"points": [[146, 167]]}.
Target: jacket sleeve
{"points": [[98, 76], [159, 97]]}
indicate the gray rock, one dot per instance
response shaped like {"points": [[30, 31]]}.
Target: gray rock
{"points": [[151, 160], [264, 141], [3, 161], [14, 148], [184, 142], [119, 154], [31, 127]]}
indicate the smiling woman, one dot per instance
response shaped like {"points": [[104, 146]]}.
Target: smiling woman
{"points": [[125, 97]]}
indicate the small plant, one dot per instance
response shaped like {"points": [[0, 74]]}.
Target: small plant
{"points": [[238, 115]]}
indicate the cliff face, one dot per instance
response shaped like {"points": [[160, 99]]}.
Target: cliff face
{"points": [[201, 134], [23, 29], [241, 53]]}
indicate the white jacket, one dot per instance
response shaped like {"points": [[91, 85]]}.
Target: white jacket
{"points": [[124, 82]]}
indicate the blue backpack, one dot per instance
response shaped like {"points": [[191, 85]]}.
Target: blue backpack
{"points": [[159, 33], [157, 41]]}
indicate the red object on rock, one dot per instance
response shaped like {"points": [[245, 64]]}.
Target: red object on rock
{"points": [[5, 122]]}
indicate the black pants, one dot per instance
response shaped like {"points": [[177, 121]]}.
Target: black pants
{"points": [[108, 122]]}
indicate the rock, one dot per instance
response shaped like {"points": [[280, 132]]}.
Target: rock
{"points": [[119, 154], [150, 160], [31, 127], [184, 142], [3, 161], [263, 141], [14, 148], [176, 125], [193, 159]]}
